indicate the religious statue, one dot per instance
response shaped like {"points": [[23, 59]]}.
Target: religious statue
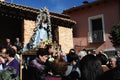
{"points": [[42, 30]]}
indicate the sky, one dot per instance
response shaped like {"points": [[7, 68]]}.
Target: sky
{"points": [[56, 6]]}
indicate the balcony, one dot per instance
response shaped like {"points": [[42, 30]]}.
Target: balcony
{"points": [[97, 36]]}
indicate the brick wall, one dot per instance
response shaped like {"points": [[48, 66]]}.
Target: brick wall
{"points": [[28, 30], [65, 35], [65, 38]]}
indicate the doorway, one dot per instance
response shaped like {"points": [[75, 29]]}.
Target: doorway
{"points": [[10, 28]]}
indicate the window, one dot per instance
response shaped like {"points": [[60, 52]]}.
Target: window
{"points": [[96, 29]]}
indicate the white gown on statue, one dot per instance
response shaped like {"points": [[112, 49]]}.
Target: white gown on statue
{"points": [[41, 34]]}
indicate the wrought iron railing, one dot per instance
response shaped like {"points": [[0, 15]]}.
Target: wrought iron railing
{"points": [[97, 36]]}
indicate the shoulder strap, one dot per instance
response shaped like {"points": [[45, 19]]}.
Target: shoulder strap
{"points": [[73, 68]]}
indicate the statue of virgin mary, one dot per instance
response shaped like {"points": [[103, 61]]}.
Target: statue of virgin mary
{"points": [[42, 30]]}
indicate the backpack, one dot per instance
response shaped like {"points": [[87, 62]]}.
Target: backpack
{"points": [[74, 75], [7, 74]]}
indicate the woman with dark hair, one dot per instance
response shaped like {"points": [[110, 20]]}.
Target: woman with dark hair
{"points": [[72, 51], [37, 68], [91, 68], [73, 70], [49, 48], [103, 59], [11, 63]]}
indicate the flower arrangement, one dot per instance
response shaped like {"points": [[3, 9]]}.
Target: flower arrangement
{"points": [[47, 42], [43, 43]]}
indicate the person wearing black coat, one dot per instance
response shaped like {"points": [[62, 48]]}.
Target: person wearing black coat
{"points": [[113, 74]]}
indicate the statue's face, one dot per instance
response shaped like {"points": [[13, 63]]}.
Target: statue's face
{"points": [[44, 18]]}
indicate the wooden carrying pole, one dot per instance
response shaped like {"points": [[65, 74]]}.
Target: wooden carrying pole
{"points": [[20, 66]]}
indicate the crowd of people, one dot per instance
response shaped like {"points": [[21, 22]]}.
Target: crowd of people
{"points": [[53, 64], [85, 65], [10, 60]]}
